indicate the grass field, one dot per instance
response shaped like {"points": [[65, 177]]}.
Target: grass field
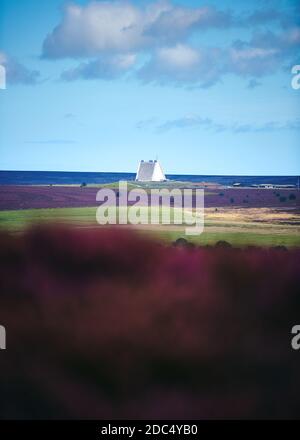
{"points": [[240, 227]]}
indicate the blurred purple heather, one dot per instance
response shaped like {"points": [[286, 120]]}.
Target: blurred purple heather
{"points": [[105, 324]]}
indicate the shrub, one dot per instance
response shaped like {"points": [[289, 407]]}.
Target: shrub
{"points": [[280, 248], [231, 200], [223, 244], [181, 242], [282, 199], [292, 196]]}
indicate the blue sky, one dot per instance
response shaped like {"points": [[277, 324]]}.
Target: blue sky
{"points": [[203, 85]]}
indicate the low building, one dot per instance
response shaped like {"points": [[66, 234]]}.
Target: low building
{"points": [[150, 171]]}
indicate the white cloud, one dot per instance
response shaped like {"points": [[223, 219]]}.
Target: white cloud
{"points": [[180, 56], [111, 35], [189, 122], [182, 64], [17, 73], [252, 53], [173, 22], [97, 27], [106, 67], [265, 53], [121, 26]]}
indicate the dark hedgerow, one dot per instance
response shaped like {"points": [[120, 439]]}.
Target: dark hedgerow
{"points": [[292, 196], [282, 199]]}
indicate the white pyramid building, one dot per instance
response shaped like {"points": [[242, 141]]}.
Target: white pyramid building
{"points": [[150, 171]]}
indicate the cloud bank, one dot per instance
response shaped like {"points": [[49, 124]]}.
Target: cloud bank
{"points": [[112, 38]]}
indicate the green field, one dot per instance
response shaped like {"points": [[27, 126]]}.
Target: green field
{"points": [[238, 233], [17, 220]]}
